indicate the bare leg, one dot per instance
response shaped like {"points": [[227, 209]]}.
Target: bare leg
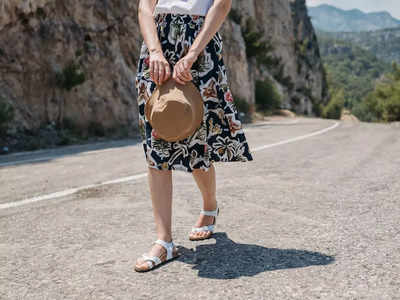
{"points": [[207, 184], [160, 183]]}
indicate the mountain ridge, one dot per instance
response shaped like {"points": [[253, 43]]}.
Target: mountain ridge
{"points": [[384, 43], [333, 19]]}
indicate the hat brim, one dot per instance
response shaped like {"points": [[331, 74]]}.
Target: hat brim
{"points": [[191, 94]]}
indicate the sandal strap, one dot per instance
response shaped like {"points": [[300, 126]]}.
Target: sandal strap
{"points": [[211, 213], [203, 229], [168, 246], [153, 260]]}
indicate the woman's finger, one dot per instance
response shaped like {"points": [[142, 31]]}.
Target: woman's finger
{"points": [[167, 71], [178, 80], [182, 79], [152, 69], [186, 76], [183, 74], [175, 76], [161, 72], [181, 69], [174, 72], [156, 76]]}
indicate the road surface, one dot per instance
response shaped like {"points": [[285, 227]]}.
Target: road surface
{"points": [[315, 216]]}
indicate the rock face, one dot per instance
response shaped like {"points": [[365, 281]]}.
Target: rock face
{"points": [[39, 40], [75, 61], [298, 75]]}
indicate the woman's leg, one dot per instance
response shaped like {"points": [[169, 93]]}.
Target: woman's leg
{"points": [[207, 184], [160, 183]]}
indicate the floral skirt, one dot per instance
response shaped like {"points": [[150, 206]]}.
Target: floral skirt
{"points": [[220, 137]]}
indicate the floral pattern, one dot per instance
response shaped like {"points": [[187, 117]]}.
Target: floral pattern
{"points": [[220, 137]]}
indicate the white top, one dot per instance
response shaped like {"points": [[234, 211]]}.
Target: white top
{"points": [[190, 7]]}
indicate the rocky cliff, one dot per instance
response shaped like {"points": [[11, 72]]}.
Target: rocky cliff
{"points": [[72, 63], [291, 59]]}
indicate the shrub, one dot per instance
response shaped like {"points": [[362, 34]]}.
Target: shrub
{"points": [[267, 96], [235, 16], [7, 114], [391, 109], [317, 109], [40, 13], [368, 110], [70, 126], [333, 110], [78, 52], [241, 105], [255, 46], [96, 129], [382, 104], [287, 81], [70, 77]]}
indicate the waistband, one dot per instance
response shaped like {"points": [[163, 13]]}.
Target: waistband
{"points": [[178, 15]]}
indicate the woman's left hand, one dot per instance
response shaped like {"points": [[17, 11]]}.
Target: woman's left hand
{"points": [[181, 72]]}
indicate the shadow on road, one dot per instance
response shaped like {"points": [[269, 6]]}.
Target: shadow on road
{"points": [[228, 260], [46, 155]]}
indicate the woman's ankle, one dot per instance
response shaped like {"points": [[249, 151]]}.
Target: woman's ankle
{"points": [[165, 238], [210, 205]]}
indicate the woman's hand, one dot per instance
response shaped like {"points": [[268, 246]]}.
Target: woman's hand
{"points": [[182, 68], [160, 70]]}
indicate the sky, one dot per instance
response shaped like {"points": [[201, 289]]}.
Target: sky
{"points": [[392, 6]]}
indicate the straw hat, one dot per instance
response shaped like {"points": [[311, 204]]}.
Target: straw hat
{"points": [[174, 110]]}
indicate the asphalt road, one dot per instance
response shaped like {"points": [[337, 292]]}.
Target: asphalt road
{"points": [[315, 216]]}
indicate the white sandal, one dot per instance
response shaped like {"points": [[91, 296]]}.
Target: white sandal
{"points": [[153, 261], [209, 228]]}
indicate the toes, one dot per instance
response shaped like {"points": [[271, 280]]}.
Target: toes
{"points": [[195, 235], [200, 234], [139, 262], [141, 265]]}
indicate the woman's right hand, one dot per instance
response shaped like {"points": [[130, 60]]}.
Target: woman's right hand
{"points": [[160, 70]]}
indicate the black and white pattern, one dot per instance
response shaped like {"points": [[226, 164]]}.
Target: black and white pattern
{"points": [[220, 137]]}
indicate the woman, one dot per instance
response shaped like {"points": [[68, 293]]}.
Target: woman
{"points": [[181, 40]]}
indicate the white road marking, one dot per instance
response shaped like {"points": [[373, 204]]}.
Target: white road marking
{"points": [[69, 191], [139, 176], [270, 123], [302, 137]]}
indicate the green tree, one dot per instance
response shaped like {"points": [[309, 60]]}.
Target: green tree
{"points": [[333, 110], [267, 96], [383, 103]]}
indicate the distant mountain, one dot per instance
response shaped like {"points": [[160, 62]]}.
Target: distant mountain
{"points": [[330, 18], [384, 43]]}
